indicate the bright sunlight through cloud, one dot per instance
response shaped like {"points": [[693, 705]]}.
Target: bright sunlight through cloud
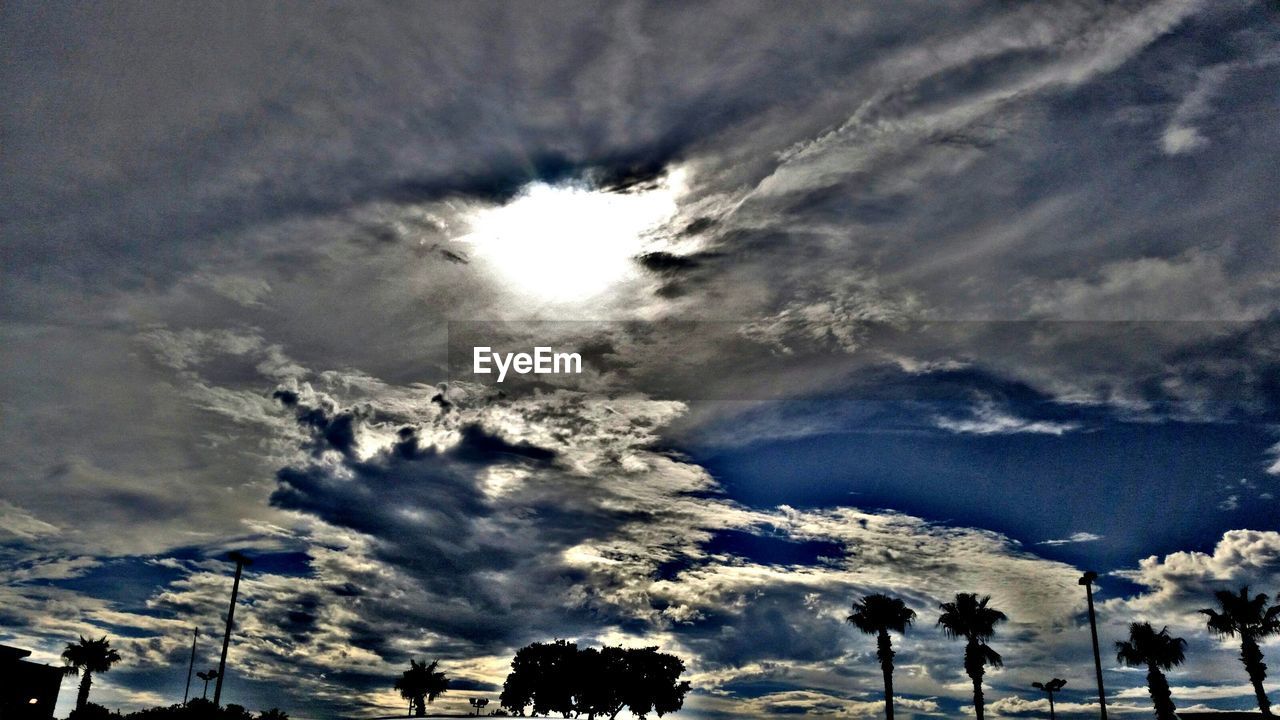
{"points": [[570, 242]]}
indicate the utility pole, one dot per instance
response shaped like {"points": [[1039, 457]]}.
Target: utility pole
{"points": [[241, 561], [195, 634], [1087, 581]]}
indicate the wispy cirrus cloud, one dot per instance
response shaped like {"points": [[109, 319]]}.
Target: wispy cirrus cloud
{"points": [[1079, 537], [988, 419]]}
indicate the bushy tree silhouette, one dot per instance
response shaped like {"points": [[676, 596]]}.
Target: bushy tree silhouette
{"points": [[650, 682], [1249, 618], [1050, 688], [559, 677], [86, 657], [542, 675], [599, 681], [878, 614], [971, 618], [421, 684], [1158, 651]]}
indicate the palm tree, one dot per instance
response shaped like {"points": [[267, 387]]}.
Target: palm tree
{"points": [[1158, 651], [973, 620], [1252, 620], [421, 684], [1050, 688], [85, 658], [877, 614]]}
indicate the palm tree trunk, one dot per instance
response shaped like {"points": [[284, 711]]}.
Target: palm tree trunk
{"points": [[419, 707], [1251, 655], [1051, 715], [884, 651], [1161, 698], [977, 697], [82, 697], [973, 665]]}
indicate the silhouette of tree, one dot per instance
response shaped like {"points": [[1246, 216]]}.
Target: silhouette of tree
{"points": [[559, 678], [85, 658], [1251, 619], [1050, 688], [651, 682], [541, 675], [196, 709], [971, 619], [878, 614], [599, 680], [93, 711], [1157, 651], [421, 684]]}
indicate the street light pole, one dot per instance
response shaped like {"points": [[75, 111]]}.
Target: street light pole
{"points": [[1087, 581], [195, 634], [241, 561]]}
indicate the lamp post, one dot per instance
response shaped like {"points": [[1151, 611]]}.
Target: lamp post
{"points": [[195, 634], [1050, 688], [206, 676], [1087, 581], [241, 561]]}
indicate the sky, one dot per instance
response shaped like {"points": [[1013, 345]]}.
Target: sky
{"points": [[906, 297]]}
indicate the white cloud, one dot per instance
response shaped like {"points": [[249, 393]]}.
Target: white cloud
{"points": [[1077, 537], [988, 419], [19, 523]]}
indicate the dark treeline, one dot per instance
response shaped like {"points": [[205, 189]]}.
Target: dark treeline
{"points": [[197, 709]]}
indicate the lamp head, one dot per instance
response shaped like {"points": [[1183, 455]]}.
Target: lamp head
{"points": [[1088, 577]]}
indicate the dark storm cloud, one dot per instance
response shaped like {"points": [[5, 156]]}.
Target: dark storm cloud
{"points": [[424, 503], [431, 518], [244, 117], [766, 629]]}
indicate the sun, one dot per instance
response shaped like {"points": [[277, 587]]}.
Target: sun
{"points": [[570, 242]]}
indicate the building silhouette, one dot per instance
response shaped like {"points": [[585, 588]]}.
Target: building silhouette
{"points": [[28, 691]]}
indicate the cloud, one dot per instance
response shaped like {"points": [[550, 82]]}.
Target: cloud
{"points": [[23, 525], [1200, 692], [1190, 287], [1182, 134], [1077, 537], [1180, 582], [1022, 707], [1174, 589], [498, 521], [461, 532], [987, 419]]}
